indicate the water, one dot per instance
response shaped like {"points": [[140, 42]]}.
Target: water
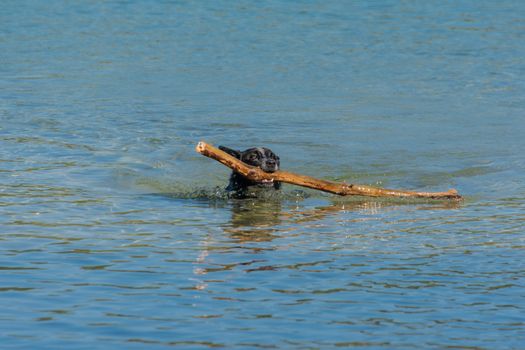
{"points": [[114, 233]]}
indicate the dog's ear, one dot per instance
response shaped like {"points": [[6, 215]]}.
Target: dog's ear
{"points": [[231, 152]]}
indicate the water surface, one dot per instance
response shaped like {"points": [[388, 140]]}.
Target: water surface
{"points": [[115, 233]]}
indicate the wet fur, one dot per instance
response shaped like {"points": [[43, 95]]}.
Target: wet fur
{"points": [[261, 157]]}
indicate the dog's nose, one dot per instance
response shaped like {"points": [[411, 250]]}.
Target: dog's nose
{"points": [[270, 166]]}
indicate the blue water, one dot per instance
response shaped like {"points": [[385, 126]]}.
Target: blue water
{"points": [[115, 233]]}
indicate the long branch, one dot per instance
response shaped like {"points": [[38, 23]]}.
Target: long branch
{"points": [[342, 189]]}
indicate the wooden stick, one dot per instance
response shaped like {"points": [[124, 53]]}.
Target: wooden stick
{"points": [[342, 189]]}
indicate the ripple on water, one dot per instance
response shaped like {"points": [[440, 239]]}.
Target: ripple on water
{"points": [[115, 233]]}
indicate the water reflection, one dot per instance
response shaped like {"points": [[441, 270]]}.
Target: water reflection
{"points": [[254, 220], [262, 228], [257, 220]]}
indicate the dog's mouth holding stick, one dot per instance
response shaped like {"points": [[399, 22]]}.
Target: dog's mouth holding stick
{"points": [[258, 175], [259, 157]]}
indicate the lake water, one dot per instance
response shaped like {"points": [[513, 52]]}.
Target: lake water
{"points": [[115, 233]]}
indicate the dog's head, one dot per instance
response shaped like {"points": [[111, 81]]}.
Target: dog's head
{"points": [[260, 157]]}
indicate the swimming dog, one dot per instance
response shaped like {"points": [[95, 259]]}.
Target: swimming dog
{"points": [[261, 157]]}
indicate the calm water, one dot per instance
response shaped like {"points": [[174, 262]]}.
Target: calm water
{"points": [[114, 233]]}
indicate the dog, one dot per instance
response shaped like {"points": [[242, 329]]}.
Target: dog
{"points": [[261, 157]]}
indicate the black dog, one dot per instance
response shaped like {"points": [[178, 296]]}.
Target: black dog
{"points": [[261, 157]]}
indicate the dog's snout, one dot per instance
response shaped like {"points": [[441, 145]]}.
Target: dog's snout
{"points": [[270, 165]]}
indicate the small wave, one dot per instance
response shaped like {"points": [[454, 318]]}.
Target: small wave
{"points": [[219, 193]]}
